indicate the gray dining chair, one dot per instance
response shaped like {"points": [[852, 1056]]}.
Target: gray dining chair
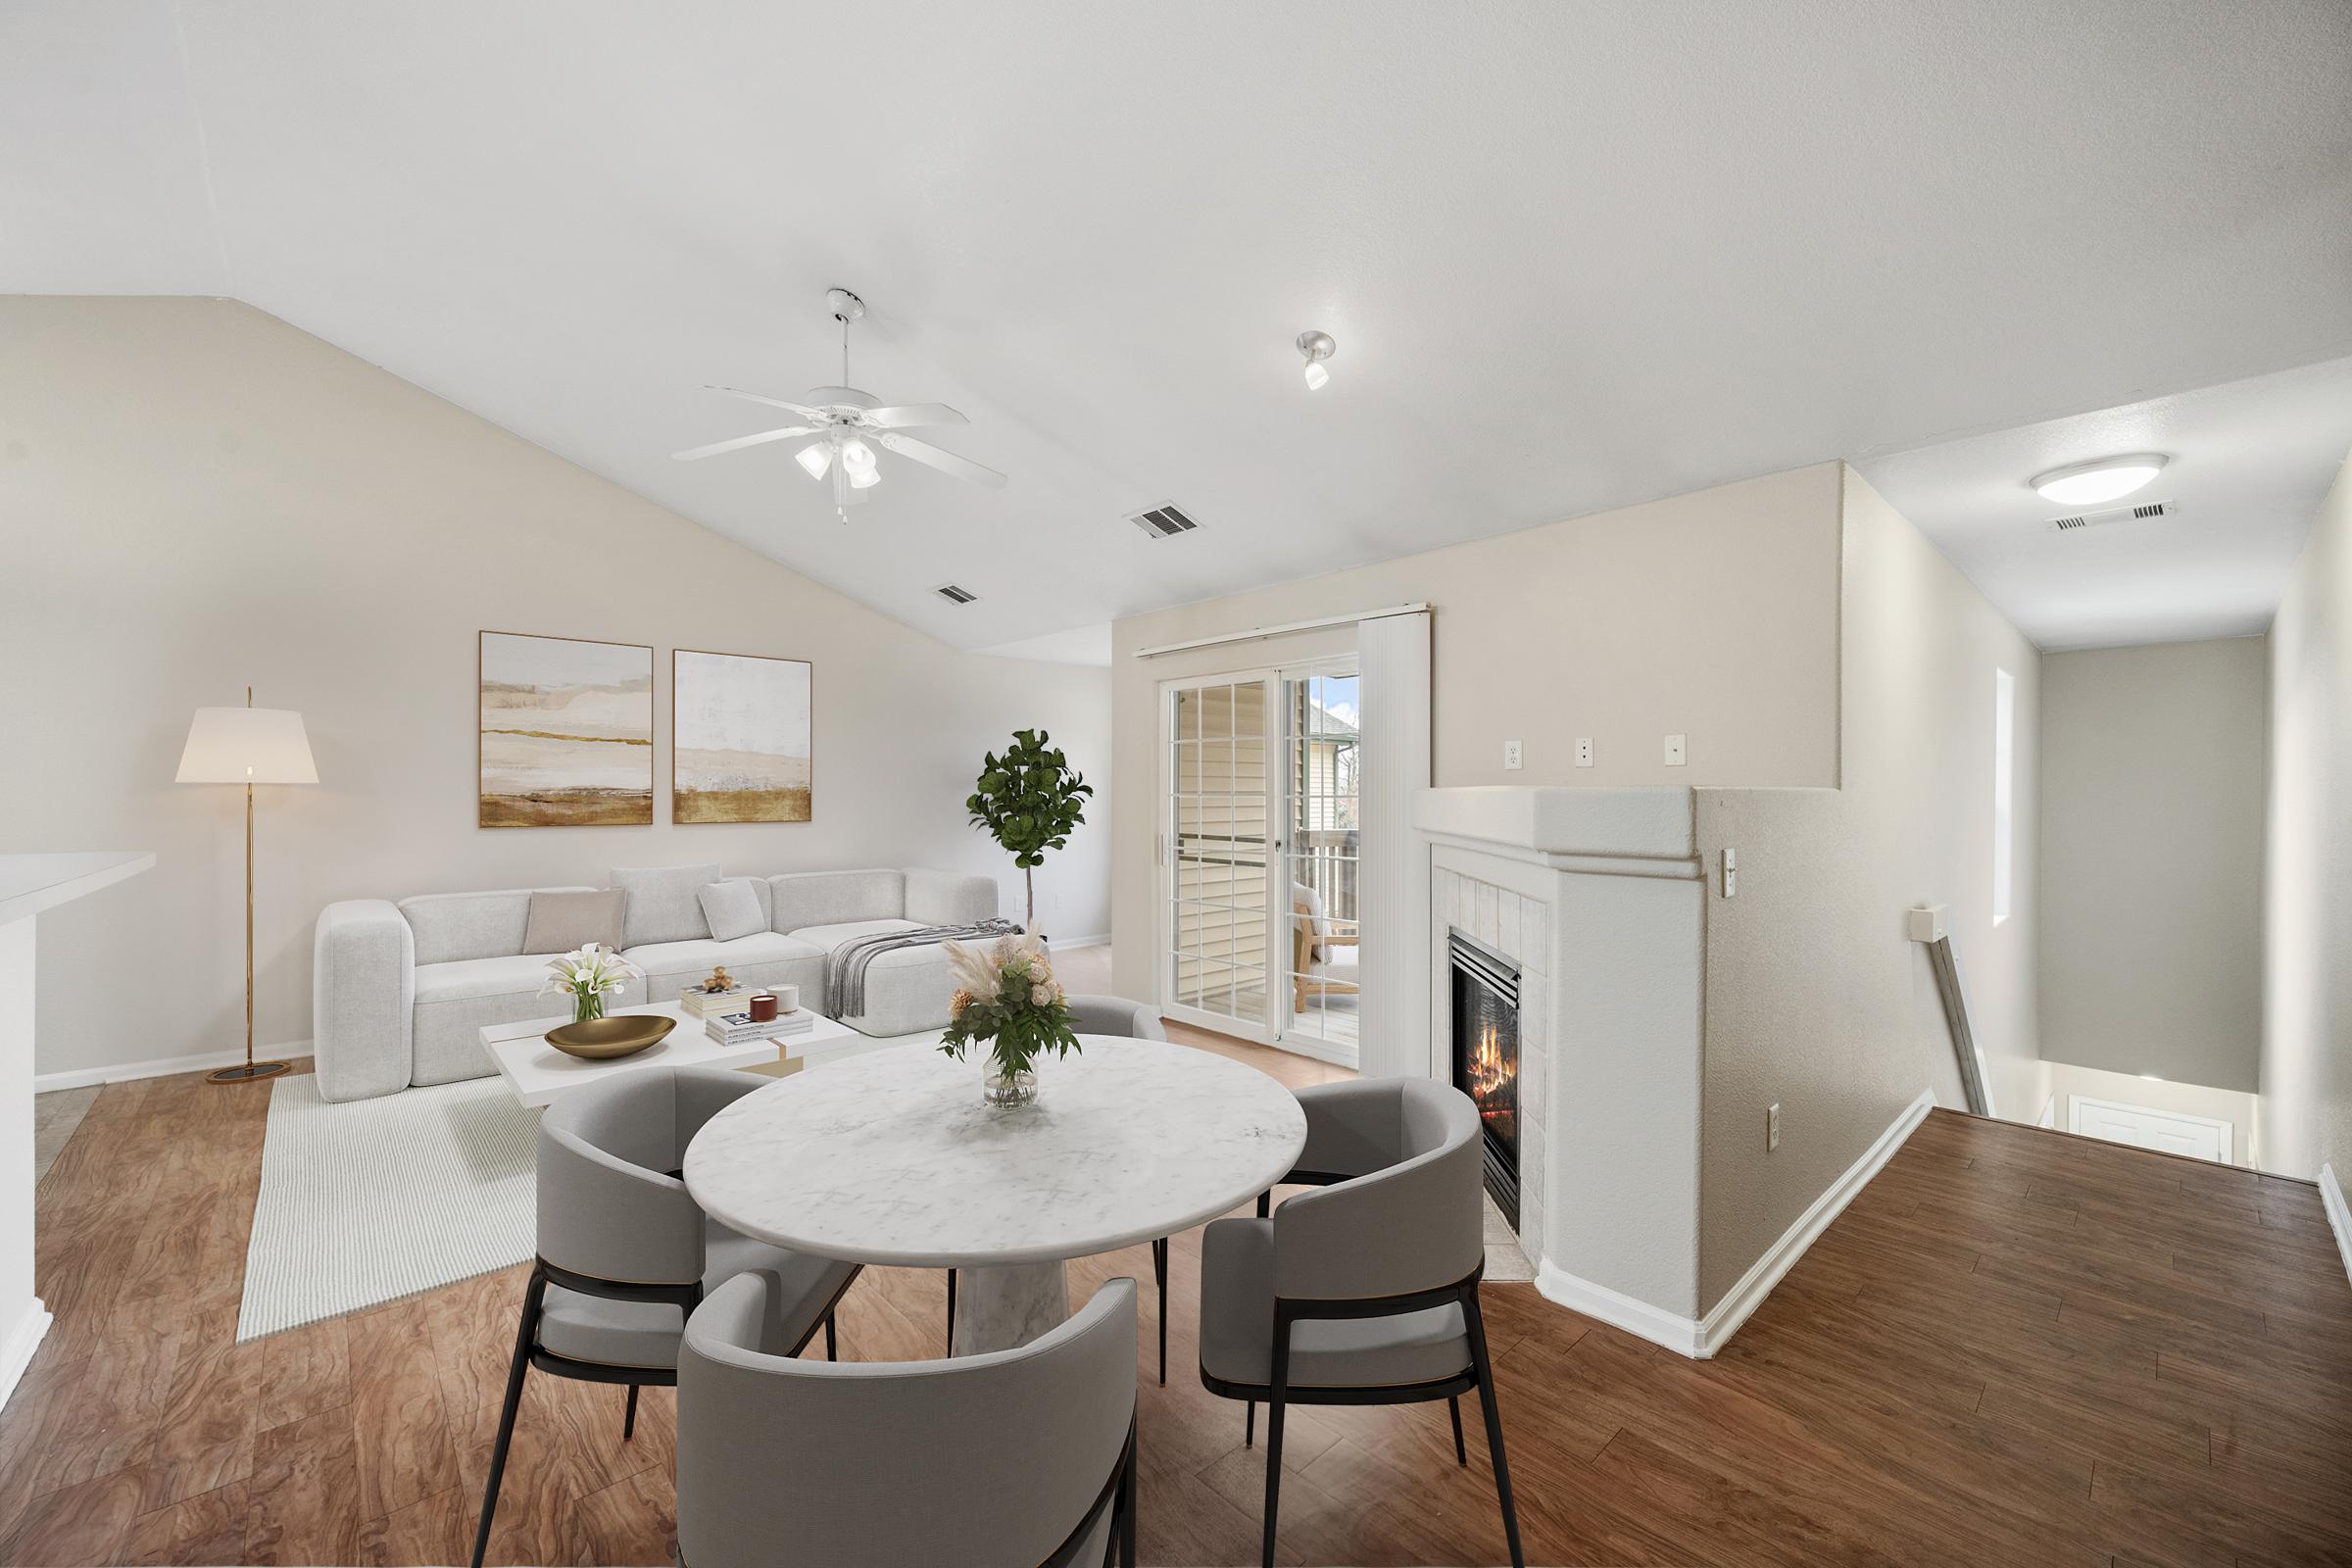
{"points": [[1133, 1020], [1015, 1458], [1365, 1290], [624, 1252]]}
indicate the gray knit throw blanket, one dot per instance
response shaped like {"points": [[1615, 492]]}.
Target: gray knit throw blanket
{"points": [[844, 970]]}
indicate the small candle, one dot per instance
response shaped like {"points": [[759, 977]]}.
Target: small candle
{"points": [[763, 1009]]}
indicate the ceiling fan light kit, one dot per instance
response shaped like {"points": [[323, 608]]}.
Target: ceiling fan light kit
{"points": [[842, 418]]}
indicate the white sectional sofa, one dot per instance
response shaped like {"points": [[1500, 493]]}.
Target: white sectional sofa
{"points": [[401, 991]]}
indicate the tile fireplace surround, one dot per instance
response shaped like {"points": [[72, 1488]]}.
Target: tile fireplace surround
{"points": [[1597, 894]]}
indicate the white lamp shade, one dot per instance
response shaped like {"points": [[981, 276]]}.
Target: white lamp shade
{"points": [[247, 745]]}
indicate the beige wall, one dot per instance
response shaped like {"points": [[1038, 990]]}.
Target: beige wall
{"points": [[2151, 860], [1711, 615], [197, 496], [2307, 972], [1815, 997]]}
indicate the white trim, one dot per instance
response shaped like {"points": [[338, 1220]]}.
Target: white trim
{"points": [[163, 1066], [22, 1339], [1255, 632], [1073, 944], [1617, 1309], [2339, 1215], [1716, 1329]]}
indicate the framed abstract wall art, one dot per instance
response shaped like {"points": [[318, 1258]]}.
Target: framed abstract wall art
{"points": [[738, 738], [566, 736]]}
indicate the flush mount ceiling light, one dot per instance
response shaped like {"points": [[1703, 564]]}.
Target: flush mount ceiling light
{"points": [[1317, 347], [2086, 484], [840, 417]]}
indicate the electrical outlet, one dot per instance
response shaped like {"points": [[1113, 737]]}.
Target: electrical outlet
{"points": [[1510, 753], [1583, 751], [1772, 1127], [1676, 755]]}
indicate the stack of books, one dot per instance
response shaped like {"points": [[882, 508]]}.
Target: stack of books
{"points": [[740, 1029], [701, 1004]]}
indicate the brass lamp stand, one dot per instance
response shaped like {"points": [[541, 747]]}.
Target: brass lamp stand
{"points": [[247, 745]]}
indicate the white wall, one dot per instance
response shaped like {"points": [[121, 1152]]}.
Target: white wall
{"points": [[1816, 1000], [1712, 614], [197, 496], [2307, 967], [2152, 765]]}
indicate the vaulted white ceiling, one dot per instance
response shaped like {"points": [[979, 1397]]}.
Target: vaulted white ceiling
{"points": [[1574, 255]]}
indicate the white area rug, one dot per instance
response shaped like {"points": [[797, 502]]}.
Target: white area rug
{"points": [[373, 1200]]}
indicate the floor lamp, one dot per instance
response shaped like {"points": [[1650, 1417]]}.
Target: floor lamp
{"points": [[247, 745]]}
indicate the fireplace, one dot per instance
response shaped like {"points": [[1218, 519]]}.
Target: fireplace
{"points": [[1485, 1056]]}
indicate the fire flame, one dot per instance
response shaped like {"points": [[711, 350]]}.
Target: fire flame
{"points": [[1491, 1076]]}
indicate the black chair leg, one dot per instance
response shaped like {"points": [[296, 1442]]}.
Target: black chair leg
{"points": [[1275, 1389], [1127, 1520], [951, 1312], [1265, 1204], [525, 1334], [1249, 1423], [832, 1342], [1453, 1407], [1160, 1268], [629, 1422], [1476, 1323]]}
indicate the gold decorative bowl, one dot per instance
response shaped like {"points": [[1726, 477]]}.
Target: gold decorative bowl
{"points": [[605, 1039]]}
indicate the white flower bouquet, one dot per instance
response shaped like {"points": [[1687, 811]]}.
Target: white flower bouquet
{"points": [[1007, 996], [588, 976]]}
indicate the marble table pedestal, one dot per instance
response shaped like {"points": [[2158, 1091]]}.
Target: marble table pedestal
{"points": [[1001, 1307]]}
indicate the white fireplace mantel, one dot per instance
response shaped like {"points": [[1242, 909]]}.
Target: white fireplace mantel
{"points": [[1597, 894]]}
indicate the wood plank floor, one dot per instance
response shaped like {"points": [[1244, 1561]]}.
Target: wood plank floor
{"points": [[2015, 1348]]}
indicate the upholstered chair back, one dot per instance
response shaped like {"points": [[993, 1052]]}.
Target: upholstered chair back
{"points": [[610, 1204], [1409, 1217], [1116, 1015], [992, 1460]]}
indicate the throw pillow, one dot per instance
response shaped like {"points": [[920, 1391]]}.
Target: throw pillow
{"points": [[732, 909], [564, 922], [662, 902]]}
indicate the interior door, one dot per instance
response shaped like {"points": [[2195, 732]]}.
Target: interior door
{"points": [[1218, 858], [2172, 1132]]}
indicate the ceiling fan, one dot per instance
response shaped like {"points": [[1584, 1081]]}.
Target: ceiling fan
{"points": [[844, 421]]}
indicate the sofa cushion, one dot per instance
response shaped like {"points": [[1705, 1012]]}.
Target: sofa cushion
{"points": [[825, 938], [566, 923], [471, 926], [906, 989], [457, 998], [663, 903], [829, 898], [763, 959], [731, 908]]}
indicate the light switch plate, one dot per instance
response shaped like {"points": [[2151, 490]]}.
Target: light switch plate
{"points": [[1675, 756], [1583, 751], [1510, 753]]}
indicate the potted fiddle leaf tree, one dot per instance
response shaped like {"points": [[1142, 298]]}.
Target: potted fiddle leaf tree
{"points": [[1028, 800]]}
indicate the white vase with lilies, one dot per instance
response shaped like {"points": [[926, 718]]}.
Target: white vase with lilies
{"points": [[588, 976]]}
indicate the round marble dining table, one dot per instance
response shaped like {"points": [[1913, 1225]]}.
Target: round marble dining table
{"points": [[893, 1158]]}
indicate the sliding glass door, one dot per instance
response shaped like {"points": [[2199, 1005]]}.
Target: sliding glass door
{"points": [[1218, 859], [1258, 853]]}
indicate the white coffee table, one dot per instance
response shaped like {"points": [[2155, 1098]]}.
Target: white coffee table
{"points": [[540, 1074]]}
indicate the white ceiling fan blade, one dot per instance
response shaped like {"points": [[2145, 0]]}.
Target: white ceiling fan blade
{"points": [[964, 468], [906, 414], [741, 441], [801, 408]]}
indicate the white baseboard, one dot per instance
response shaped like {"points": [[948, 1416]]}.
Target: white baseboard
{"points": [[1681, 1335], [1702, 1338], [16, 1352], [1722, 1321], [165, 1066], [1069, 944], [2339, 1215]]}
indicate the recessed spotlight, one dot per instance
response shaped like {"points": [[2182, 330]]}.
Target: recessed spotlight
{"points": [[2088, 484], [1317, 347]]}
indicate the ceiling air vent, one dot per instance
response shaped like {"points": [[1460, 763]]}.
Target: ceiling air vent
{"points": [[955, 595], [1162, 521], [2146, 511]]}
